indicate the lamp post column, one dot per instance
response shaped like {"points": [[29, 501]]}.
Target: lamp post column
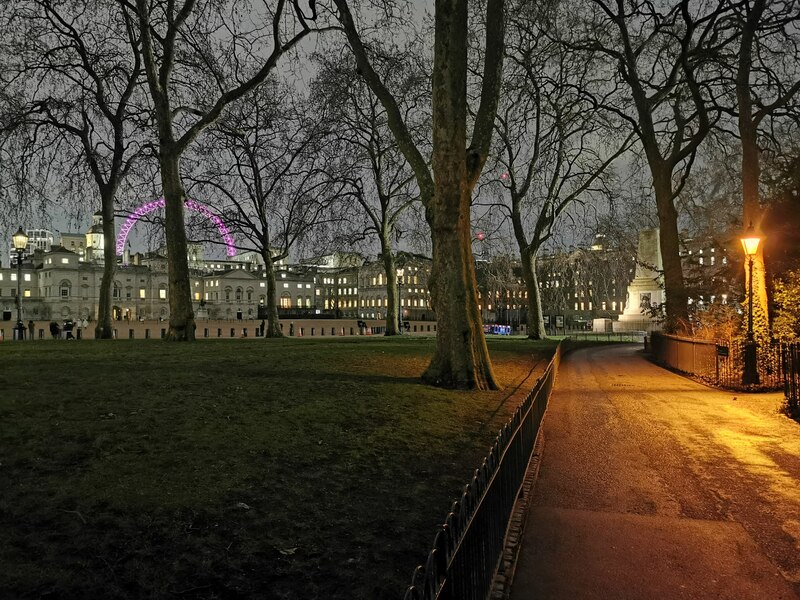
{"points": [[20, 240], [399, 305], [750, 301], [20, 324], [750, 375]]}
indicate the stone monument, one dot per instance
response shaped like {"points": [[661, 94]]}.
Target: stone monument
{"points": [[647, 289]]}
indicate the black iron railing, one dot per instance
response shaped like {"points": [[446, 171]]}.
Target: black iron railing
{"points": [[719, 362], [791, 376], [608, 336], [468, 547]]}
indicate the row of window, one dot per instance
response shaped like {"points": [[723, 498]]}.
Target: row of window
{"points": [[26, 293], [25, 277]]}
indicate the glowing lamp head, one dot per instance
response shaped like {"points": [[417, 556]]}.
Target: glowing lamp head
{"points": [[481, 236], [20, 240], [750, 243]]}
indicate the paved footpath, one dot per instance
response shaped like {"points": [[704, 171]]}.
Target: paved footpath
{"points": [[652, 486]]}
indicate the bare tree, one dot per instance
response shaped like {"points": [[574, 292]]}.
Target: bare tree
{"points": [[766, 81], [461, 358], [262, 166], [660, 53], [199, 57], [85, 61], [376, 173], [555, 142]]}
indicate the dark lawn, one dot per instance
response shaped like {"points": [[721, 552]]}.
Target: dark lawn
{"points": [[294, 469]]}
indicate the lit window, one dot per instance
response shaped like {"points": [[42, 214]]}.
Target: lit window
{"points": [[286, 285], [13, 277], [196, 295], [142, 293], [162, 294], [26, 293], [64, 261], [26, 277]]}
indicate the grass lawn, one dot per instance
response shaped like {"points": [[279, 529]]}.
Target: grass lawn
{"points": [[294, 469]]}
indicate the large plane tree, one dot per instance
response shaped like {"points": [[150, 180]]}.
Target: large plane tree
{"points": [[199, 57], [461, 358], [661, 53], [78, 73], [555, 143]]}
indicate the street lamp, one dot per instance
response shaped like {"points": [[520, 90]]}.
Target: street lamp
{"points": [[400, 274], [480, 236], [750, 243], [20, 243]]}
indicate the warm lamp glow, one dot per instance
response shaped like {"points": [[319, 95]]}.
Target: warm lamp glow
{"points": [[20, 239], [750, 245]]}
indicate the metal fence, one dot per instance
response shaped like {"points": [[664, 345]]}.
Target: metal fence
{"points": [[718, 362], [468, 547], [791, 375], [608, 336]]}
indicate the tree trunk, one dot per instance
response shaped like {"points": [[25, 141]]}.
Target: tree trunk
{"points": [[181, 313], [536, 330], [677, 300], [751, 169], [392, 297], [104, 330], [461, 358], [752, 216], [273, 329]]}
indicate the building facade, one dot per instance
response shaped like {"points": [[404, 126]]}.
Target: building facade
{"points": [[63, 282]]}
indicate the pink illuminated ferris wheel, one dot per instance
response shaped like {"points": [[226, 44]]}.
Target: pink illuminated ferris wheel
{"points": [[149, 207]]}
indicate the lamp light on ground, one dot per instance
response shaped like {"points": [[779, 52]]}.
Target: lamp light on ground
{"points": [[750, 242], [20, 240]]}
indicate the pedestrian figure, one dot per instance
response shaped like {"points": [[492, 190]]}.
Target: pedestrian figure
{"points": [[31, 327], [261, 328], [291, 328], [68, 330], [54, 330]]}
